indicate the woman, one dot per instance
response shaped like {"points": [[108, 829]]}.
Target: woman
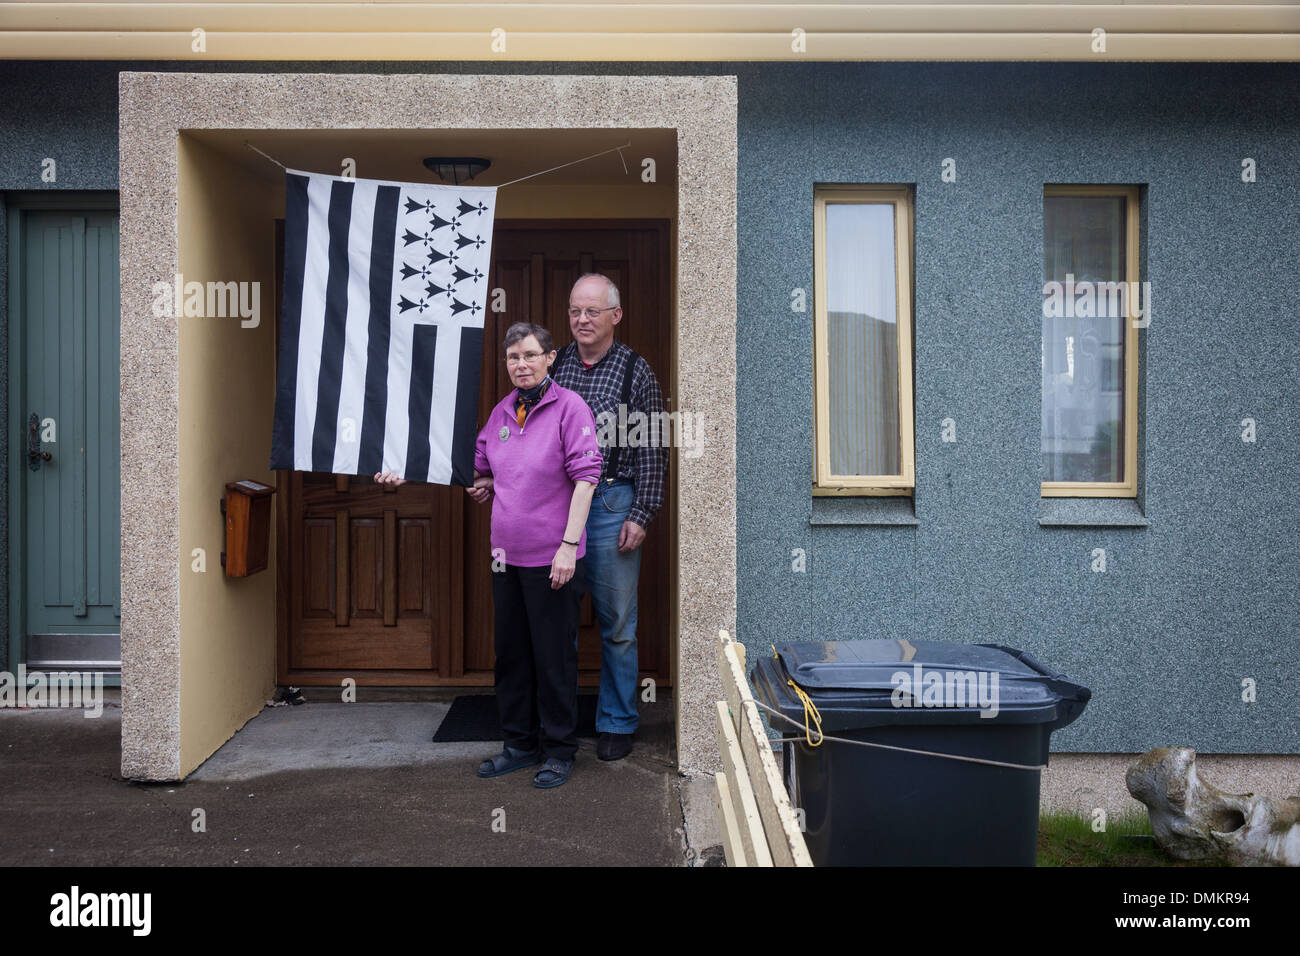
{"points": [[538, 462]]}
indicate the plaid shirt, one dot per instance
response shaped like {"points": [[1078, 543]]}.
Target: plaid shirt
{"points": [[601, 386]]}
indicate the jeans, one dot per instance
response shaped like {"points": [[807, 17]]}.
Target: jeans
{"points": [[612, 581]]}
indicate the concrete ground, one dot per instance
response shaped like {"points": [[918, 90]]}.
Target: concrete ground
{"points": [[333, 783]]}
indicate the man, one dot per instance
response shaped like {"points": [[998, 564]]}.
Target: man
{"points": [[607, 373]]}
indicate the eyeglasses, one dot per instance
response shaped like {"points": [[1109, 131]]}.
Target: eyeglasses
{"points": [[529, 357], [589, 313]]}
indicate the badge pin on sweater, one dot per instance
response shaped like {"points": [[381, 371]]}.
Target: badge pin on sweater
{"points": [[505, 432]]}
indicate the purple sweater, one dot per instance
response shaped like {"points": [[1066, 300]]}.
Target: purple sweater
{"points": [[534, 470]]}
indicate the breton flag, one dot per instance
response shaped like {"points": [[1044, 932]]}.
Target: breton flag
{"points": [[381, 327]]}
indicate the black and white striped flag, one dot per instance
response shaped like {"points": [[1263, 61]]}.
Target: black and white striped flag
{"points": [[381, 327]]}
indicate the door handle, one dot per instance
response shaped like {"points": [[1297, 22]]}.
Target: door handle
{"points": [[34, 454]]}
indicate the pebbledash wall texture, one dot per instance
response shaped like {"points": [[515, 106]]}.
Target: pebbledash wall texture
{"points": [[1202, 571], [1200, 597]]}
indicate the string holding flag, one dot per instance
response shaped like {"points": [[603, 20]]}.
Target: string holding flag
{"points": [[541, 172], [603, 152]]}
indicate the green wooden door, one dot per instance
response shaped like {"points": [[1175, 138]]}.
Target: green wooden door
{"points": [[66, 443]]}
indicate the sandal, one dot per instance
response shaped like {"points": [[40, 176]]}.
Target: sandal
{"points": [[508, 760], [553, 773]]}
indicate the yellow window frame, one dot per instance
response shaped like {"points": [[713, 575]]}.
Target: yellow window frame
{"points": [[1127, 488], [824, 481]]}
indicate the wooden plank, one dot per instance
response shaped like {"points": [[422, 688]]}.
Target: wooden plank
{"points": [[731, 845], [729, 684], [784, 838], [752, 838]]}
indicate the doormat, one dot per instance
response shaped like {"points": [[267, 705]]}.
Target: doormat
{"points": [[473, 717]]}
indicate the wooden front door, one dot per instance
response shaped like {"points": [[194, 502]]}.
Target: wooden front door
{"points": [[394, 587]]}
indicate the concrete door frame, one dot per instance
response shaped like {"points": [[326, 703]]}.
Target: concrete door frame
{"points": [[153, 110]]}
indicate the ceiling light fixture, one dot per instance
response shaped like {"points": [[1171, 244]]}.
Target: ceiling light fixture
{"points": [[456, 168]]}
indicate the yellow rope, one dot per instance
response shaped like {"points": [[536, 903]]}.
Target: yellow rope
{"points": [[809, 710]]}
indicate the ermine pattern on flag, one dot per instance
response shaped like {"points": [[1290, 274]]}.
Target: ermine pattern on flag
{"points": [[381, 327]]}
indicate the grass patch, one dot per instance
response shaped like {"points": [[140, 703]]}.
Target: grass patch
{"points": [[1067, 839]]}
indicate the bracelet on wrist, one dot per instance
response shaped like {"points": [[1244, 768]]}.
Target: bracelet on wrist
{"points": [[574, 543]]}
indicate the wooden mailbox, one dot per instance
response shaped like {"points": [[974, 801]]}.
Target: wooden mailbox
{"points": [[247, 507]]}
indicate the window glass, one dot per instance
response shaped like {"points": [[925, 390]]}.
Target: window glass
{"points": [[862, 326], [1083, 338]]}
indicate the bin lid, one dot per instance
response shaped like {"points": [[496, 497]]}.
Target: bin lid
{"points": [[875, 682]]}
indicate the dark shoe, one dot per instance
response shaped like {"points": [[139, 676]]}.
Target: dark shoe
{"points": [[553, 773], [613, 746], [290, 695], [507, 761]]}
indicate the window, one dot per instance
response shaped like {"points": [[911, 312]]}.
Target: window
{"points": [[862, 341], [1092, 308]]}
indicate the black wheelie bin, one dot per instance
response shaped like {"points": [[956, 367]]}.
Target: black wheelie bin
{"points": [[909, 802]]}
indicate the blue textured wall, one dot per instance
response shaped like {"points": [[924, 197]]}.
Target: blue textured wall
{"points": [[1201, 597], [1204, 595]]}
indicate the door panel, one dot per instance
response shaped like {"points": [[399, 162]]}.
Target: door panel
{"points": [[69, 329], [371, 588], [397, 585]]}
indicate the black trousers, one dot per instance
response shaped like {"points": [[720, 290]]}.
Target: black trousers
{"points": [[536, 640]]}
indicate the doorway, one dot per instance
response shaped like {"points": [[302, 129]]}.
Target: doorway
{"points": [[393, 587], [64, 505]]}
